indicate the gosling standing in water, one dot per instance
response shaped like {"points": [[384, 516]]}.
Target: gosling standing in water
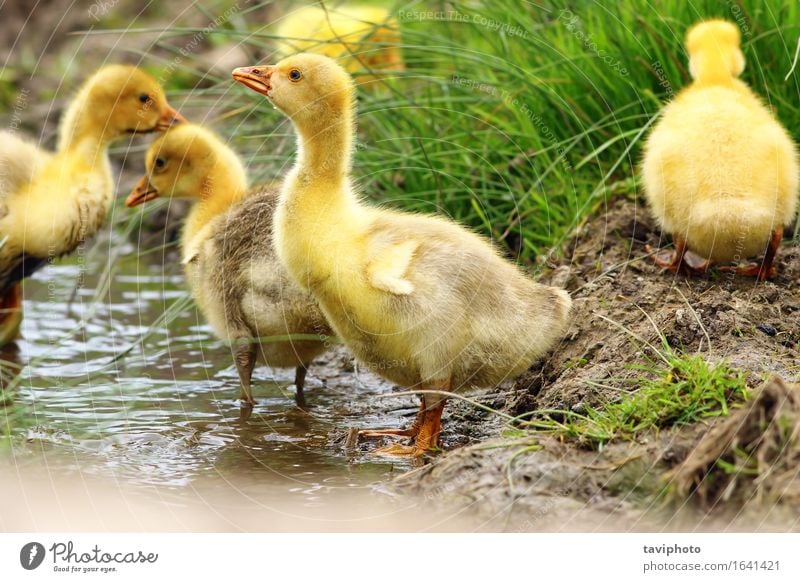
{"points": [[419, 299], [51, 202], [227, 252]]}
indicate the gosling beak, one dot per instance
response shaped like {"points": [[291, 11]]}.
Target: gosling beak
{"points": [[169, 118], [141, 193], [256, 78]]}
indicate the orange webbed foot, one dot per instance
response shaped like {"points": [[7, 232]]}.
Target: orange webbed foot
{"points": [[663, 259], [427, 428], [758, 270], [409, 432], [424, 432], [680, 260], [398, 450], [766, 269], [382, 432]]}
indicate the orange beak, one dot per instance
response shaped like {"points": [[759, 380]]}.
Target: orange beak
{"points": [[256, 78], [169, 118], [141, 193]]}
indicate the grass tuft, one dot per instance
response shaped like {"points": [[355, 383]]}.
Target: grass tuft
{"points": [[685, 390]]}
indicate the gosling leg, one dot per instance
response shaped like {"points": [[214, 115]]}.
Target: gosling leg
{"points": [[429, 425], [245, 358], [10, 314], [681, 259], [766, 268], [300, 382], [427, 437], [410, 431]]}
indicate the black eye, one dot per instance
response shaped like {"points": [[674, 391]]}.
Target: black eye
{"points": [[144, 98], [295, 75], [160, 162]]}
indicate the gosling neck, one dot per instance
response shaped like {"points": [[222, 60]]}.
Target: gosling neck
{"points": [[713, 69], [82, 130], [220, 190], [325, 150]]}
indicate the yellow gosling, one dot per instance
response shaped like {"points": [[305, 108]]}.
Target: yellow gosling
{"points": [[720, 172], [227, 252], [419, 299], [362, 37], [51, 202]]}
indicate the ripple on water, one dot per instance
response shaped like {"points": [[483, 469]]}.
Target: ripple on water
{"points": [[166, 413]]}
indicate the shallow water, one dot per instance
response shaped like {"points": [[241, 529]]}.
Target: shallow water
{"points": [[103, 395]]}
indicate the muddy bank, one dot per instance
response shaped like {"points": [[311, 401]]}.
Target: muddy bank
{"points": [[624, 307]]}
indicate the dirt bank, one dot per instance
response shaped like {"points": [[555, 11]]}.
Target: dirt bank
{"points": [[624, 307]]}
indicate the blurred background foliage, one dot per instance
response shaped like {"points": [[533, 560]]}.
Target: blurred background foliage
{"points": [[517, 118]]}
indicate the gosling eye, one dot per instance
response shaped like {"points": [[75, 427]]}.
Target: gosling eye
{"points": [[295, 75], [160, 163], [144, 98]]}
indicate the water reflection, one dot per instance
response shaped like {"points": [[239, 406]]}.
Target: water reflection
{"points": [[108, 395]]}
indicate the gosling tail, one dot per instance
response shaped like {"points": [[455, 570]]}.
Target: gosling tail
{"points": [[729, 230]]}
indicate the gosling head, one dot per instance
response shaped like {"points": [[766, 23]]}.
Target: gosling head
{"points": [[714, 48], [187, 162], [121, 99], [308, 88]]}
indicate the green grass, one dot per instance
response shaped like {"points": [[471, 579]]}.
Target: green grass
{"points": [[516, 118], [521, 133], [683, 390]]}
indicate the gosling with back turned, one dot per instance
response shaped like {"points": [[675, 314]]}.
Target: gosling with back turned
{"points": [[720, 172]]}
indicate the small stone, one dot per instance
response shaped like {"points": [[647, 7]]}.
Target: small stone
{"points": [[579, 408], [767, 329]]}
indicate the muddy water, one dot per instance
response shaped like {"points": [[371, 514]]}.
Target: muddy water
{"points": [[104, 395]]}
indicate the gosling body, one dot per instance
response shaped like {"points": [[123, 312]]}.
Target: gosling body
{"points": [[419, 299], [52, 202], [229, 258], [720, 172]]}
